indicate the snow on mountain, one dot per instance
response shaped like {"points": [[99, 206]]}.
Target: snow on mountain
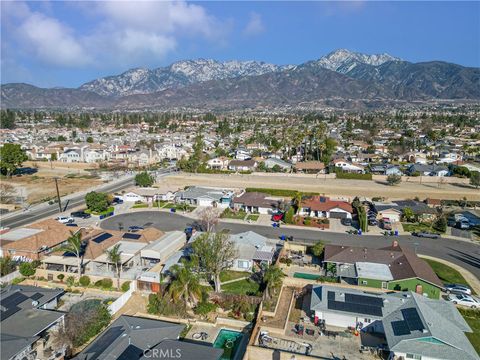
{"points": [[343, 61], [178, 74]]}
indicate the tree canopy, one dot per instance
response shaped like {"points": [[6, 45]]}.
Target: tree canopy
{"points": [[144, 179], [11, 157], [97, 201]]}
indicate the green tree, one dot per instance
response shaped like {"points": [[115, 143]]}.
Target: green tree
{"points": [[440, 224], [185, 285], [74, 245], [97, 202], [475, 179], [11, 157], [408, 214], [144, 179], [27, 269], [289, 215], [7, 265], [394, 179], [114, 256], [90, 140], [214, 253], [7, 119], [272, 278], [317, 249]]}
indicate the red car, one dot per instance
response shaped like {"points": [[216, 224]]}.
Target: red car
{"points": [[277, 217]]}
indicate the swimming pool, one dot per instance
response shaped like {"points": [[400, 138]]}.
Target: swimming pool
{"points": [[229, 341]]}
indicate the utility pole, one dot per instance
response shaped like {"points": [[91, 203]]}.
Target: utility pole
{"points": [[58, 194]]}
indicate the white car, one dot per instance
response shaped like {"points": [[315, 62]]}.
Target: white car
{"points": [[464, 300], [65, 219]]}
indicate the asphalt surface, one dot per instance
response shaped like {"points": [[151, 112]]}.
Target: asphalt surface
{"points": [[462, 253], [27, 217]]}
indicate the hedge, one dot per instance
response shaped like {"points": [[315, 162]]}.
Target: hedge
{"points": [[280, 192], [353, 176]]}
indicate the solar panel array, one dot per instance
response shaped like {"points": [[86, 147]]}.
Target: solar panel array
{"points": [[11, 303], [400, 328], [131, 236], [411, 322], [102, 238], [360, 304]]}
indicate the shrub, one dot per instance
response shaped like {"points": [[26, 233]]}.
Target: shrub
{"points": [[307, 221], [205, 308], [394, 179], [249, 316], [104, 283], [353, 176], [84, 281], [17, 280], [26, 269], [70, 280], [125, 286], [60, 277]]}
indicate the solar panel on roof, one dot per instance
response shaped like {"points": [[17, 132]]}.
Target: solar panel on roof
{"points": [[36, 296], [99, 346], [331, 295], [362, 299], [412, 319], [13, 300], [400, 328], [130, 353], [355, 308], [102, 238], [131, 236]]}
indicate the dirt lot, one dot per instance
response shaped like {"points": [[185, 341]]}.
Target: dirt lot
{"points": [[39, 186], [330, 187]]}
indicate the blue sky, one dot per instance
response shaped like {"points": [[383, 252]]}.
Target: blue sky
{"points": [[54, 43]]}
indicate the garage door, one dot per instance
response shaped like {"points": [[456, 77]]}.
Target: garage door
{"points": [[338, 215], [339, 320]]}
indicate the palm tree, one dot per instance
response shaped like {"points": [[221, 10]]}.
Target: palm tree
{"points": [[114, 256], [273, 278], [74, 245], [185, 285]]}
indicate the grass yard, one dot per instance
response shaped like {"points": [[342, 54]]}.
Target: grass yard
{"points": [[411, 227], [136, 206], [179, 207], [253, 217], [230, 214], [472, 317], [447, 274], [232, 275], [242, 287]]}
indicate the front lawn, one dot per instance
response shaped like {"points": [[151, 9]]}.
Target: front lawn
{"points": [[447, 274], [137, 206], [232, 275], [108, 211], [472, 317], [418, 227], [230, 214], [242, 287], [253, 217]]}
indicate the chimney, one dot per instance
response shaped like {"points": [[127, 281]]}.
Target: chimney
{"points": [[394, 244]]}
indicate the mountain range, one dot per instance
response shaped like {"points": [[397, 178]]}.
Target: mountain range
{"points": [[341, 79]]}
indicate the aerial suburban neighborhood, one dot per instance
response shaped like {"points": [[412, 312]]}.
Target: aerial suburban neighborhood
{"points": [[322, 205]]}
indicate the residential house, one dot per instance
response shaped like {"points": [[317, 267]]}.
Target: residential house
{"points": [[160, 250], [384, 169], [394, 210], [143, 194], [136, 338], [27, 322], [392, 268], [272, 162], [70, 156], [251, 248], [203, 196], [241, 154], [310, 167], [256, 202], [219, 163], [346, 166], [242, 165], [323, 207], [428, 170], [408, 325]]}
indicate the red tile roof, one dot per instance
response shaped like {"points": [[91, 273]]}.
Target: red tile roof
{"points": [[322, 203]]}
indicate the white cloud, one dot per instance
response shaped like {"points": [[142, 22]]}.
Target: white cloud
{"points": [[255, 25]]}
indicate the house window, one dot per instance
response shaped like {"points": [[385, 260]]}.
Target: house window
{"points": [[367, 320], [364, 282], [243, 264], [384, 285], [414, 356]]}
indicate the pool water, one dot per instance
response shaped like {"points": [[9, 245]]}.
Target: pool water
{"points": [[229, 341]]}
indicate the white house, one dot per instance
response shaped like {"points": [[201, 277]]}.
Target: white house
{"points": [[219, 163], [70, 156], [242, 155], [348, 167], [141, 194]]}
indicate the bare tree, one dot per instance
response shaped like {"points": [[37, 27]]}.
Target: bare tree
{"points": [[214, 253], [208, 218], [7, 193]]}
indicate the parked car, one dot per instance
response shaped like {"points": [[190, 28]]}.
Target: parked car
{"points": [[425, 234], [65, 219], [458, 289], [387, 225], [464, 300], [463, 224], [80, 214], [347, 222], [278, 216], [134, 228], [117, 201]]}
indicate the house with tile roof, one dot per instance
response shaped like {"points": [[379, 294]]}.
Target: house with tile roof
{"points": [[391, 268], [323, 207], [408, 325]]}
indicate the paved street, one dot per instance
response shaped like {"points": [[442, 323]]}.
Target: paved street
{"points": [[462, 253]]}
